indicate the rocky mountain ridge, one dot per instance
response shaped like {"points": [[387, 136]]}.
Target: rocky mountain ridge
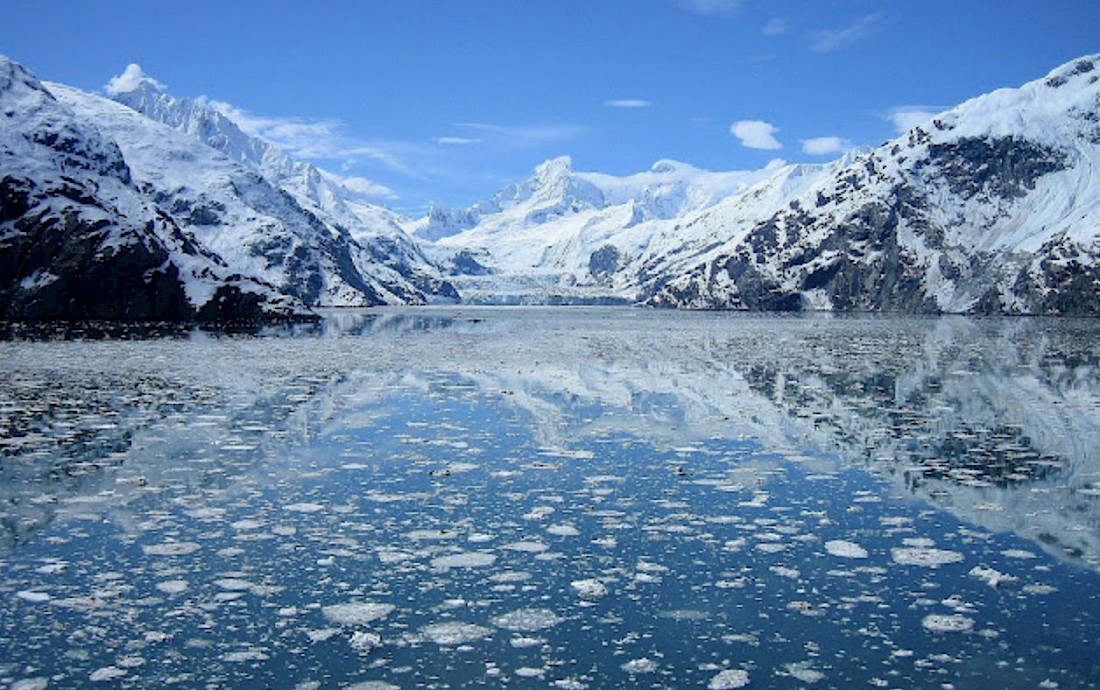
{"points": [[991, 208]]}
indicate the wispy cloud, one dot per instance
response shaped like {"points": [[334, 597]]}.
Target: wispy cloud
{"points": [[524, 136], [823, 146], [457, 141], [318, 139], [828, 40], [712, 8], [756, 134], [627, 103], [906, 117], [361, 186], [775, 27]]}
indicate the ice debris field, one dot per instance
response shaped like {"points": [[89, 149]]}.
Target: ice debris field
{"points": [[363, 515]]}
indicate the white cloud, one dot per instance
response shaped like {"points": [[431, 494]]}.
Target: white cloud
{"points": [[823, 146], [317, 139], [712, 8], [775, 27], [627, 103], [130, 79], [907, 117], [457, 141], [756, 134], [834, 39], [362, 186]]}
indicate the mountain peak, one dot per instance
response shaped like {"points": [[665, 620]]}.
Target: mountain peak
{"points": [[131, 79]]}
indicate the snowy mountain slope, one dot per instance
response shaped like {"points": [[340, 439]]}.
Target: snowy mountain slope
{"points": [[564, 235], [78, 239], [388, 261], [233, 210], [994, 208]]}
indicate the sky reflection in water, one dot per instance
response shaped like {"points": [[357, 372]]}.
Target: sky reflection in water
{"points": [[555, 498]]}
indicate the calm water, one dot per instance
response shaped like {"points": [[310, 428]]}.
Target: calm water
{"points": [[571, 498]]}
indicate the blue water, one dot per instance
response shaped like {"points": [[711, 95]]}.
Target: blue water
{"points": [[591, 498]]}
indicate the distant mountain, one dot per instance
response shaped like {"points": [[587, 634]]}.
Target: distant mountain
{"points": [[991, 208]]}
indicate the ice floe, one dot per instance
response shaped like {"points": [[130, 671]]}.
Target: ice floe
{"points": [[451, 633], [729, 679], [642, 665], [356, 613], [527, 620], [926, 556], [465, 559], [845, 549], [589, 588], [938, 622]]}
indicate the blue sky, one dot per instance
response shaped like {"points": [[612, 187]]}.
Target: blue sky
{"points": [[446, 101]]}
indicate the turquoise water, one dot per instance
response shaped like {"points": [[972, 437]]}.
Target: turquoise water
{"points": [[561, 498]]}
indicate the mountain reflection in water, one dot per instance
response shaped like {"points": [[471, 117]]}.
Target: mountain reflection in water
{"points": [[996, 420]]}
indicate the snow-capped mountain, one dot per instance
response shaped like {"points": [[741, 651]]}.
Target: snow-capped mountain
{"points": [[79, 238], [991, 208], [362, 247], [565, 235]]}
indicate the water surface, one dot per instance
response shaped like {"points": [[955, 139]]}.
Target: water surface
{"points": [[570, 498]]}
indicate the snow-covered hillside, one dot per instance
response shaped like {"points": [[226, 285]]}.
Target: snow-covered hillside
{"points": [[564, 235], [80, 240], [365, 247], [992, 208]]}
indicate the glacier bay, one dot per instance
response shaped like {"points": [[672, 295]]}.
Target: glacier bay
{"points": [[554, 497]]}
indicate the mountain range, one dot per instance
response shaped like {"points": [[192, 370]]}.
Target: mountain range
{"points": [[144, 206]]}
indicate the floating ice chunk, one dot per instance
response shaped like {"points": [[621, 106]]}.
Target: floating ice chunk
{"points": [[938, 622], [643, 665], [589, 588], [171, 548], [465, 559], [356, 613], [245, 655], [372, 685], [106, 673], [234, 584], [993, 578], [530, 672], [527, 546], [569, 684], [845, 549], [304, 508], [1039, 588], [563, 530], [539, 513], [30, 684], [33, 597], [1017, 553], [729, 679], [784, 571], [925, 556], [431, 534], [364, 642], [527, 620], [172, 586], [525, 641], [454, 633], [804, 672]]}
